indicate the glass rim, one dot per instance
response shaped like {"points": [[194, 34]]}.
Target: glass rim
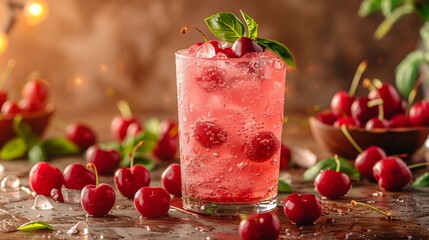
{"points": [[182, 53]]}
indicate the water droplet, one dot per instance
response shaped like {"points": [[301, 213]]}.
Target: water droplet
{"points": [[41, 203], [242, 165], [81, 228], [377, 194], [216, 154], [10, 182], [71, 195], [400, 200]]}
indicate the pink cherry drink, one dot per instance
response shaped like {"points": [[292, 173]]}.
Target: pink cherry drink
{"points": [[230, 126]]}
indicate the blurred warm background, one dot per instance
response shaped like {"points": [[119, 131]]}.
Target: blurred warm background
{"points": [[94, 53]]}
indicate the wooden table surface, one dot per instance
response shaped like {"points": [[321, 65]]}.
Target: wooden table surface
{"points": [[339, 219]]}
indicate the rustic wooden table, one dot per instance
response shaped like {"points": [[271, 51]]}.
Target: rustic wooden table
{"points": [[339, 220]]}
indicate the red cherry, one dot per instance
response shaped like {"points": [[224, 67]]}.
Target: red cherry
{"points": [[361, 112], [120, 125], [399, 121], [347, 121], [208, 134], [134, 129], [171, 180], [152, 202], [44, 177], [10, 109], [3, 97], [302, 209], [28, 106], [327, 117], [98, 200], [332, 184], [211, 79], [341, 103], [166, 147], [129, 180], [419, 113], [229, 52], [262, 226], [392, 102], [106, 161], [81, 135], [57, 195], [36, 91], [375, 122], [392, 174], [366, 160], [76, 176], [262, 147], [245, 45], [285, 156]]}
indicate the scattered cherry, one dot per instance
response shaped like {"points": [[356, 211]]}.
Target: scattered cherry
{"points": [[121, 123], [262, 226], [166, 147], [36, 91], [81, 135], [302, 209], [262, 146], [76, 176], [171, 180], [152, 202], [391, 173], [129, 180], [106, 161], [285, 156], [245, 45], [44, 177], [97, 200], [332, 184], [208, 134], [366, 160]]}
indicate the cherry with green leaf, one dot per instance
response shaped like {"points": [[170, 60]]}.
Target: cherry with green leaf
{"points": [[332, 184], [120, 124]]}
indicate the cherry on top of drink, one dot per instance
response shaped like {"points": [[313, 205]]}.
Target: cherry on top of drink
{"points": [[227, 27]]}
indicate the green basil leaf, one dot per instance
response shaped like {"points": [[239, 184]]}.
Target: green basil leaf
{"points": [[330, 163], [424, 33], [14, 148], [34, 226], [284, 187], [152, 126], [111, 145], [279, 49], [37, 154], [422, 8], [23, 130], [407, 72], [422, 181], [59, 147], [252, 26], [387, 6], [225, 26], [368, 7], [150, 140]]}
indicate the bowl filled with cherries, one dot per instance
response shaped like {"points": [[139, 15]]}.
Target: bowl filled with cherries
{"points": [[33, 107], [380, 118]]}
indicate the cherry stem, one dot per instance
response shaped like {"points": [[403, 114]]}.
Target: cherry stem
{"points": [[337, 160], [92, 165], [413, 92], [356, 78], [356, 203], [350, 138], [378, 102], [185, 29], [7, 72], [417, 165], [125, 109], [133, 153]]}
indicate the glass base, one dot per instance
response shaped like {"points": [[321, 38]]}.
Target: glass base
{"points": [[228, 209]]}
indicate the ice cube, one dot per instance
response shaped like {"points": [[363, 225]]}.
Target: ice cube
{"points": [[10, 182], [71, 195], [206, 50], [41, 203], [81, 229]]}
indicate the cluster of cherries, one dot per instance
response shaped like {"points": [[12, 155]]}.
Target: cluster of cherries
{"points": [[98, 199], [381, 108], [35, 96]]}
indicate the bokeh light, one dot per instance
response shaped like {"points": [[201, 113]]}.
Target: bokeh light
{"points": [[35, 11]]}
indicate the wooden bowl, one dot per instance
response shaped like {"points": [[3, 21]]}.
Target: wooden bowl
{"points": [[393, 141], [38, 122]]}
